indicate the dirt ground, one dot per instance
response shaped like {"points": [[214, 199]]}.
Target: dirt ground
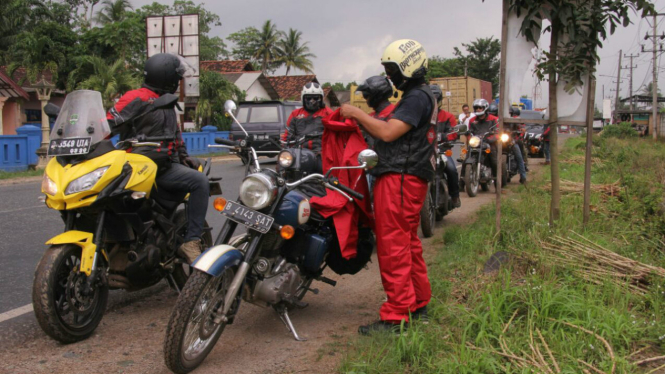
{"points": [[130, 337]]}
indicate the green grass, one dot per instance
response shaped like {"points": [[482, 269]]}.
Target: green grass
{"points": [[470, 311], [20, 174]]}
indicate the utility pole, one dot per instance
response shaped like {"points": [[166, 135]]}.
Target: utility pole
{"points": [[616, 102], [466, 66], [654, 83], [631, 67]]}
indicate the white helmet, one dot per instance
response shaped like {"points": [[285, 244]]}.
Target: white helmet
{"points": [[480, 104], [312, 89]]}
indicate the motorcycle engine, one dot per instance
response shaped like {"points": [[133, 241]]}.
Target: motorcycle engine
{"points": [[278, 285]]}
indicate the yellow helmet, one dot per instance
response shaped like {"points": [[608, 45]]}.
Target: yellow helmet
{"points": [[408, 55]]}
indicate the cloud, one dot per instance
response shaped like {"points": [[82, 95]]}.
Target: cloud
{"points": [[356, 62]]}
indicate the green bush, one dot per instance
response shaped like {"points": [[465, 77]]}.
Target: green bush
{"points": [[621, 130]]}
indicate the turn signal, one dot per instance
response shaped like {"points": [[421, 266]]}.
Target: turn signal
{"points": [[449, 153], [287, 232], [219, 203], [463, 151], [488, 151]]}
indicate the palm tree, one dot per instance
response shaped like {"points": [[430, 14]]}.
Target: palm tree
{"points": [[113, 11], [293, 54], [35, 52], [266, 51], [111, 80]]}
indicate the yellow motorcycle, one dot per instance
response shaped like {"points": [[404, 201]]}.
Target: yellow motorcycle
{"points": [[121, 230]]}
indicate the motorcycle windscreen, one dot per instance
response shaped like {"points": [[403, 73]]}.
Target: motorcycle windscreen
{"points": [[81, 123]]}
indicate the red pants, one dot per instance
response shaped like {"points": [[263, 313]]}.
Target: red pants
{"points": [[397, 207]]}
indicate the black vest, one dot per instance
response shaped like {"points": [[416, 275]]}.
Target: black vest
{"points": [[303, 125], [413, 153]]}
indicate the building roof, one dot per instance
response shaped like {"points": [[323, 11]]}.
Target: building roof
{"points": [[227, 66], [245, 80], [20, 76], [9, 88], [643, 99], [288, 87]]}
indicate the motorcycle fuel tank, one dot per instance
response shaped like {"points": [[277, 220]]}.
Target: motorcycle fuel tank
{"points": [[294, 209]]}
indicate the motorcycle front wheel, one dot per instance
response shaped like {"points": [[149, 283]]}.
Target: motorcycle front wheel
{"points": [[443, 200], [192, 333], [428, 215], [65, 310], [471, 180]]}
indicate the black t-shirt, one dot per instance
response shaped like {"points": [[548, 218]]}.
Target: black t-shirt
{"points": [[414, 109]]}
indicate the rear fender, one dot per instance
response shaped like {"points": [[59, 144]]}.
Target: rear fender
{"points": [[82, 239], [217, 259]]}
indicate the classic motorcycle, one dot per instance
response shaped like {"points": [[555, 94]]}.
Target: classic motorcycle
{"points": [[437, 201], [286, 248], [477, 167], [507, 150], [121, 231]]}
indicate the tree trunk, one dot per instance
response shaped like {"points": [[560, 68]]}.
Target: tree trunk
{"points": [[287, 70], [554, 129]]}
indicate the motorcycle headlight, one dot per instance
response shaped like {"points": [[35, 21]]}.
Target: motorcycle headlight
{"points": [[505, 137], [285, 159], [474, 142], [48, 186], [85, 182], [257, 191]]}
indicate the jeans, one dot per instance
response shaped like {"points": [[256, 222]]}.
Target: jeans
{"points": [[546, 149], [180, 178], [453, 177], [520, 161]]}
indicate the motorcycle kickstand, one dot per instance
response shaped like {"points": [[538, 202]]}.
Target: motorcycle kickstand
{"points": [[284, 316], [172, 282]]}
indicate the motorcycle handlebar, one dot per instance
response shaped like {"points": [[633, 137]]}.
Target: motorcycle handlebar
{"points": [[228, 142], [335, 182]]}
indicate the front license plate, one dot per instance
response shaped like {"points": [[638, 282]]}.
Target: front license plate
{"points": [[248, 217], [69, 147]]}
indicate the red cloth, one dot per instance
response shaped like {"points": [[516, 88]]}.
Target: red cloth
{"points": [[341, 143], [399, 250], [444, 116]]}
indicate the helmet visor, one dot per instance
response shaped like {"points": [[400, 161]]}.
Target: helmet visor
{"points": [[185, 70]]}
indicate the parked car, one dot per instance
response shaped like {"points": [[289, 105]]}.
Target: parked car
{"points": [[264, 120]]}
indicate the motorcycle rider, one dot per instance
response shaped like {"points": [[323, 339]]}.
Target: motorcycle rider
{"points": [[480, 124], [521, 140], [308, 119], [515, 149], [406, 148], [444, 124], [177, 171]]}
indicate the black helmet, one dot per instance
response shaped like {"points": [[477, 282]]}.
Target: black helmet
{"points": [[436, 91], [376, 90], [493, 110], [515, 111], [162, 73]]}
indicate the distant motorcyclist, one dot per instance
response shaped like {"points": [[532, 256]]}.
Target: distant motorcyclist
{"points": [[376, 91], [444, 124], [515, 149], [177, 171], [308, 119], [521, 140], [482, 123]]}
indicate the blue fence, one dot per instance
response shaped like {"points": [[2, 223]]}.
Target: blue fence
{"points": [[17, 152]]}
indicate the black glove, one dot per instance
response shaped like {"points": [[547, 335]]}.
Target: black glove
{"points": [[192, 162]]}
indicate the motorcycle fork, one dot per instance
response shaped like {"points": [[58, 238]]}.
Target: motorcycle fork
{"points": [[97, 239]]}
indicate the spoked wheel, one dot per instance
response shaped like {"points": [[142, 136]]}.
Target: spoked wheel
{"points": [[504, 172], [428, 215], [182, 271], [66, 307], [192, 332], [471, 178], [442, 200]]}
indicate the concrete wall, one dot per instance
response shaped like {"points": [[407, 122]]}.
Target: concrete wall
{"points": [[10, 117]]}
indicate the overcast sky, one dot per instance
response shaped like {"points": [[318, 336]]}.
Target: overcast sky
{"points": [[348, 37]]}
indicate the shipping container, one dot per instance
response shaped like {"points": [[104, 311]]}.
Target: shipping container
{"points": [[458, 91]]}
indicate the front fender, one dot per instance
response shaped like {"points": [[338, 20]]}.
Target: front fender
{"points": [[82, 239], [217, 259]]}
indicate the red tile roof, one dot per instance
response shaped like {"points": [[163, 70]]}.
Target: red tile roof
{"points": [[20, 76], [9, 88], [227, 66], [288, 87]]}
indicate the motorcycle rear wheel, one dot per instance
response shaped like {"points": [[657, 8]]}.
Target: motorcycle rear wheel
{"points": [[428, 215], [191, 333], [471, 180], [62, 310]]}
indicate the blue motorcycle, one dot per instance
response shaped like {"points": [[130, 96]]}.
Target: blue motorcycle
{"points": [[287, 246]]}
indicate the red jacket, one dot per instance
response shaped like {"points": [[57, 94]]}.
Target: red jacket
{"points": [[341, 143]]}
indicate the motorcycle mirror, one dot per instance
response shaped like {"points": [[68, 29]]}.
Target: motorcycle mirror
{"points": [[462, 128], [165, 101], [51, 110], [230, 106], [368, 157]]}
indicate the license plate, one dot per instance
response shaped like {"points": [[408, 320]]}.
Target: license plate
{"points": [[248, 217], [69, 147]]}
